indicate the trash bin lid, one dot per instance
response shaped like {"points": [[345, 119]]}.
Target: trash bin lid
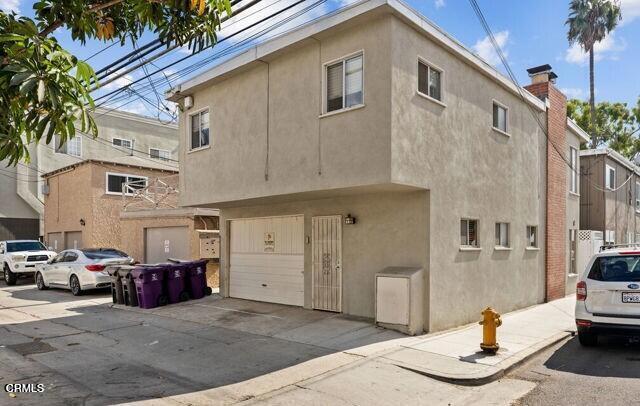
{"points": [[147, 274]]}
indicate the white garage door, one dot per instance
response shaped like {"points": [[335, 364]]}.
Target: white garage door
{"points": [[267, 259]]}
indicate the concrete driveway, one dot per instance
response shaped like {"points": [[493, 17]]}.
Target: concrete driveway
{"points": [[87, 351]]}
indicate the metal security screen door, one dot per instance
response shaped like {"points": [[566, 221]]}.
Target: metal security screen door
{"points": [[327, 263]]}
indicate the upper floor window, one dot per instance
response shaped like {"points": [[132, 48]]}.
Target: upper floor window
{"points": [[199, 129], [429, 80], [469, 233], [573, 179], [610, 177], [532, 236], [638, 196], [344, 81], [500, 117], [159, 154], [122, 142], [116, 181], [502, 235], [73, 146]]}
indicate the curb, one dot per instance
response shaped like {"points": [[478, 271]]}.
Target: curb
{"points": [[504, 367]]}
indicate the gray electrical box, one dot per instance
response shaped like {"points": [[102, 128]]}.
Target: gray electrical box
{"points": [[399, 299]]}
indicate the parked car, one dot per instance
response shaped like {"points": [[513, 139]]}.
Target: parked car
{"points": [[608, 295], [80, 270], [21, 258]]}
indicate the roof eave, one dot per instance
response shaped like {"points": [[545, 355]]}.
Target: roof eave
{"points": [[340, 16]]}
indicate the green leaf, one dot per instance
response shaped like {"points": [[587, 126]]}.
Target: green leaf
{"points": [[19, 78]]}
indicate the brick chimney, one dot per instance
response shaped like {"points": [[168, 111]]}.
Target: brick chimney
{"points": [[543, 86]]}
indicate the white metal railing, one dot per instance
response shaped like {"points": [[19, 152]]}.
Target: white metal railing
{"points": [[149, 192]]}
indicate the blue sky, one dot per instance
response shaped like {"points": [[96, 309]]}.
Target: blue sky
{"points": [[530, 32]]}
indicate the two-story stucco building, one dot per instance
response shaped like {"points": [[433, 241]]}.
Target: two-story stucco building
{"points": [[120, 134], [370, 138], [610, 195]]}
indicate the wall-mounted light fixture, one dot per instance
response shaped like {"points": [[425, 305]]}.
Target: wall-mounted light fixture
{"points": [[82, 222], [349, 219]]}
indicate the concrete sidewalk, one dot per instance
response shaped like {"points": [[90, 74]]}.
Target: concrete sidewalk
{"points": [[455, 356], [378, 373]]}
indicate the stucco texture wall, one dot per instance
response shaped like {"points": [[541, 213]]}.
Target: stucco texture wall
{"points": [[391, 230], [80, 193], [472, 171], [305, 152]]}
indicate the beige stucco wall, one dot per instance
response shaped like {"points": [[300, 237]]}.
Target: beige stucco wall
{"points": [[573, 211], [391, 230], [80, 193], [471, 171], [305, 153]]}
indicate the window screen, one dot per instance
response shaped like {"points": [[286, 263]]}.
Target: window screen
{"points": [[499, 117]]}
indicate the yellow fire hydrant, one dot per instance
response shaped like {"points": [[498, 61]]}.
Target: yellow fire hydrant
{"points": [[490, 322]]}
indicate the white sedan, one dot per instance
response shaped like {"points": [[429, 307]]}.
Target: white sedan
{"points": [[80, 270]]}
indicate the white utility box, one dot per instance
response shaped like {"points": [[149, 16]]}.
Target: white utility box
{"points": [[399, 299], [209, 244]]}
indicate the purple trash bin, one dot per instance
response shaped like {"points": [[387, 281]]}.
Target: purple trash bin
{"points": [[149, 289], [197, 279], [175, 281]]}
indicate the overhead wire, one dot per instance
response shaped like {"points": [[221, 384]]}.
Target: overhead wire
{"points": [[512, 77]]}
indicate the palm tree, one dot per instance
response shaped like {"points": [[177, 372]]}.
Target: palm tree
{"points": [[589, 22]]}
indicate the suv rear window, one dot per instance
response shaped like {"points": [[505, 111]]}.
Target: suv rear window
{"points": [[103, 253], [25, 246], [622, 268]]}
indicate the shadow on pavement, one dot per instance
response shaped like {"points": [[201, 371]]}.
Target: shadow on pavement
{"points": [[613, 357], [84, 349]]}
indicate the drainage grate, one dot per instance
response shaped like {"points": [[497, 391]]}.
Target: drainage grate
{"points": [[34, 347]]}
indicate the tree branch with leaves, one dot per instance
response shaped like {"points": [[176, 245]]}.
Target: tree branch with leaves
{"points": [[45, 89]]}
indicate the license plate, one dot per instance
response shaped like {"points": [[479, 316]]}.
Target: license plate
{"points": [[630, 297]]}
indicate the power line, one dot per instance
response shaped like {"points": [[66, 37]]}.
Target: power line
{"points": [[195, 53], [231, 49]]}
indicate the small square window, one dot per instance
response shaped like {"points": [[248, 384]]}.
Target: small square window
{"points": [[610, 177], [429, 81], [499, 117], [532, 236], [121, 142], [469, 233], [159, 154], [502, 235]]}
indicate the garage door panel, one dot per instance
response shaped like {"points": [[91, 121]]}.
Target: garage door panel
{"points": [[268, 273]]}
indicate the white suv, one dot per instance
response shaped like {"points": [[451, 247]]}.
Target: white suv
{"points": [[608, 295], [22, 257]]}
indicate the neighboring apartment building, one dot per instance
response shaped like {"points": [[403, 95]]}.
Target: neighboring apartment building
{"points": [[370, 138], [84, 200], [610, 195], [121, 134]]}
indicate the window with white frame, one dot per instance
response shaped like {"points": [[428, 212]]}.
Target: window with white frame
{"points": [[502, 235], [532, 236], [499, 117], [610, 177], [469, 233], [429, 80], [637, 196], [122, 142], [116, 181], [159, 154], [573, 178], [199, 124], [344, 83], [72, 146]]}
